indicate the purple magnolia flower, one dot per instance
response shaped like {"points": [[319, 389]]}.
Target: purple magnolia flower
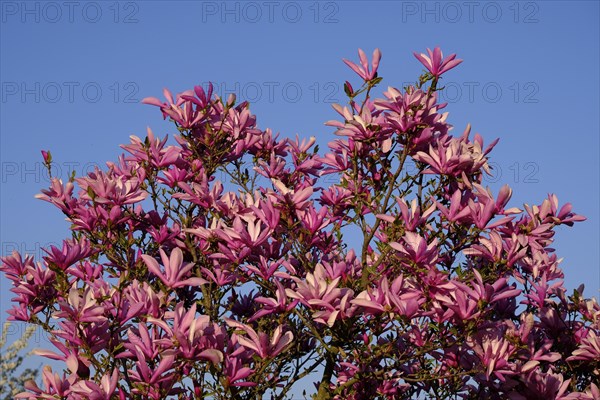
{"points": [[589, 348], [414, 248], [81, 307], [59, 194], [321, 293], [15, 267], [270, 306], [47, 157], [155, 372], [175, 269], [494, 353], [399, 297], [73, 360], [153, 150], [263, 345], [194, 337], [71, 252], [32, 283], [54, 386], [93, 391], [363, 69], [545, 385], [109, 188], [496, 248], [236, 373], [435, 62], [185, 110]]}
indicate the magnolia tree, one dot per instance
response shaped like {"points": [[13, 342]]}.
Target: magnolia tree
{"points": [[175, 284]]}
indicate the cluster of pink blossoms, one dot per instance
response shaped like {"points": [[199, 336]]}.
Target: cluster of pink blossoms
{"points": [[176, 284]]}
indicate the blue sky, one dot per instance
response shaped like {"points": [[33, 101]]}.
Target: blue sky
{"points": [[72, 76]]}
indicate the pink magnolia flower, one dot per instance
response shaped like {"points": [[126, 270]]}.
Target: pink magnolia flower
{"points": [[454, 156], [15, 267], [337, 200], [142, 293], [59, 194], [175, 269], [154, 373], [108, 188], [589, 348], [414, 248], [141, 340], [182, 110], [364, 126], [466, 300], [463, 304], [314, 221], [338, 162], [494, 351], [544, 385], [221, 273], [457, 210], [435, 62], [266, 211], [549, 212], [274, 305], [81, 307], [412, 218], [197, 193], [174, 175], [152, 150], [498, 249], [54, 386], [398, 298], [190, 334], [345, 269], [415, 113], [246, 231], [72, 251], [93, 391], [590, 309], [266, 269], [363, 69], [236, 373], [74, 361], [34, 288], [275, 167], [541, 290], [543, 353], [260, 342], [320, 293], [298, 198]]}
